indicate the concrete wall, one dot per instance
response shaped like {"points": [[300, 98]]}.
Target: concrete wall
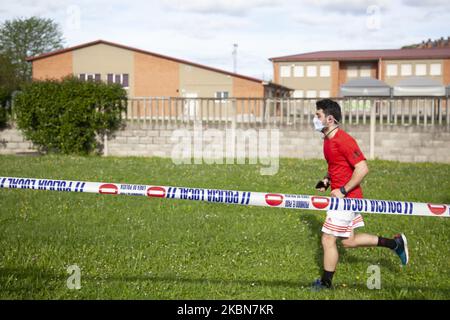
{"points": [[405, 144], [306, 83], [203, 82], [104, 59], [393, 80], [13, 142]]}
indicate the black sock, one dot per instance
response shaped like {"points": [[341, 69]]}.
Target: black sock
{"points": [[387, 243], [327, 278]]}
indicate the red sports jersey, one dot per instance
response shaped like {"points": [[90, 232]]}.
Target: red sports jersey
{"points": [[342, 154]]}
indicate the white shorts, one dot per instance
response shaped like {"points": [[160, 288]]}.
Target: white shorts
{"points": [[342, 223]]}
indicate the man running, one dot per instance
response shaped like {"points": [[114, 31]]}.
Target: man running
{"points": [[347, 168]]}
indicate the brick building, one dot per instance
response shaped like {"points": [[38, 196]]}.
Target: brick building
{"points": [[322, 73], [144, 73]]}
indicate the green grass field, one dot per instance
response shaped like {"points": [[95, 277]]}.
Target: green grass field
{"points": [[141, 248]]}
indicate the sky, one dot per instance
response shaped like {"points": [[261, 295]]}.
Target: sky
{"points": [[204, 31]]}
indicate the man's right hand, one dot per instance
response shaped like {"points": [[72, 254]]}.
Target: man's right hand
{"points": [[323, 185]]}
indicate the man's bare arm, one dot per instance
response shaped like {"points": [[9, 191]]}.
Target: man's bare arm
{"points": [[361, 170]]}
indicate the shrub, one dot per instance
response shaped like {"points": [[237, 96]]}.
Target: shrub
{"points": [[65, 116]]}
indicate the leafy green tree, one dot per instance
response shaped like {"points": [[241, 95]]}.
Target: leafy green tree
{"points": [[22, 38]]}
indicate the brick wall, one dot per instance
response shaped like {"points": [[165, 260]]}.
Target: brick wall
{"points": [[335, 83], [276, 72], [54, 67], [154, 76], [247, 88], [446, 72]]}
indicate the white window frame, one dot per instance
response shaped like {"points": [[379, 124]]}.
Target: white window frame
{"points": [[406, 69], [285, 71], [392, 70], [219, 95], [435, 69], [86, 75], [121, 78], [324, 93], [325, 71], [299, 71], [365, 71], [420, 69], [298, 94], [352, 72], [311, 71], [311, 93]]}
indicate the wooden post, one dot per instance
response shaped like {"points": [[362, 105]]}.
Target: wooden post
{"points": [[373, 119]]}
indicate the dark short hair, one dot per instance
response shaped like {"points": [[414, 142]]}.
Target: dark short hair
{"points": [[330, 108]]}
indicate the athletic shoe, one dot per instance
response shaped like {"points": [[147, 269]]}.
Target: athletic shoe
{"points": [[318, 286], [402, 248]]}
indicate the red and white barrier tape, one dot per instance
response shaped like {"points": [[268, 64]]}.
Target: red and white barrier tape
{"points": [[278, 200]]}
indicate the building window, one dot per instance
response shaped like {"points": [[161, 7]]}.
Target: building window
{"points": [[324, 71], [221, 94], [89, 76], [125, 80], [311, 71], [391, 70], [298, 94], [352, 71], [285, 71], [421, 69], [311, 94], [122, 79], [365, 71], [406, 69], [324, 93], [435, 69], [299, 71]]}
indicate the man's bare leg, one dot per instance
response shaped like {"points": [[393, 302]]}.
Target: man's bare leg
{"points": [[330, 258], [360, 240]]}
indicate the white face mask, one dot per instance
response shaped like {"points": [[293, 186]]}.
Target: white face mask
{"points": [[318, 125]]}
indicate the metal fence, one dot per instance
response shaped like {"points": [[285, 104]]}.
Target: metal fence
{"points": [[422, 111]]}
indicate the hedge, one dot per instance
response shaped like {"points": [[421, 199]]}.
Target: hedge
{"points": [[66, 116]]}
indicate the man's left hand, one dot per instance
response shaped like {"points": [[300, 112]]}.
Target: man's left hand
{"points": [[337, 193]]}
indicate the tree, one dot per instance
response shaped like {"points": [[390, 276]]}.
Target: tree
{"points": [[8, 79], [22, 38], [8, 84]]}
